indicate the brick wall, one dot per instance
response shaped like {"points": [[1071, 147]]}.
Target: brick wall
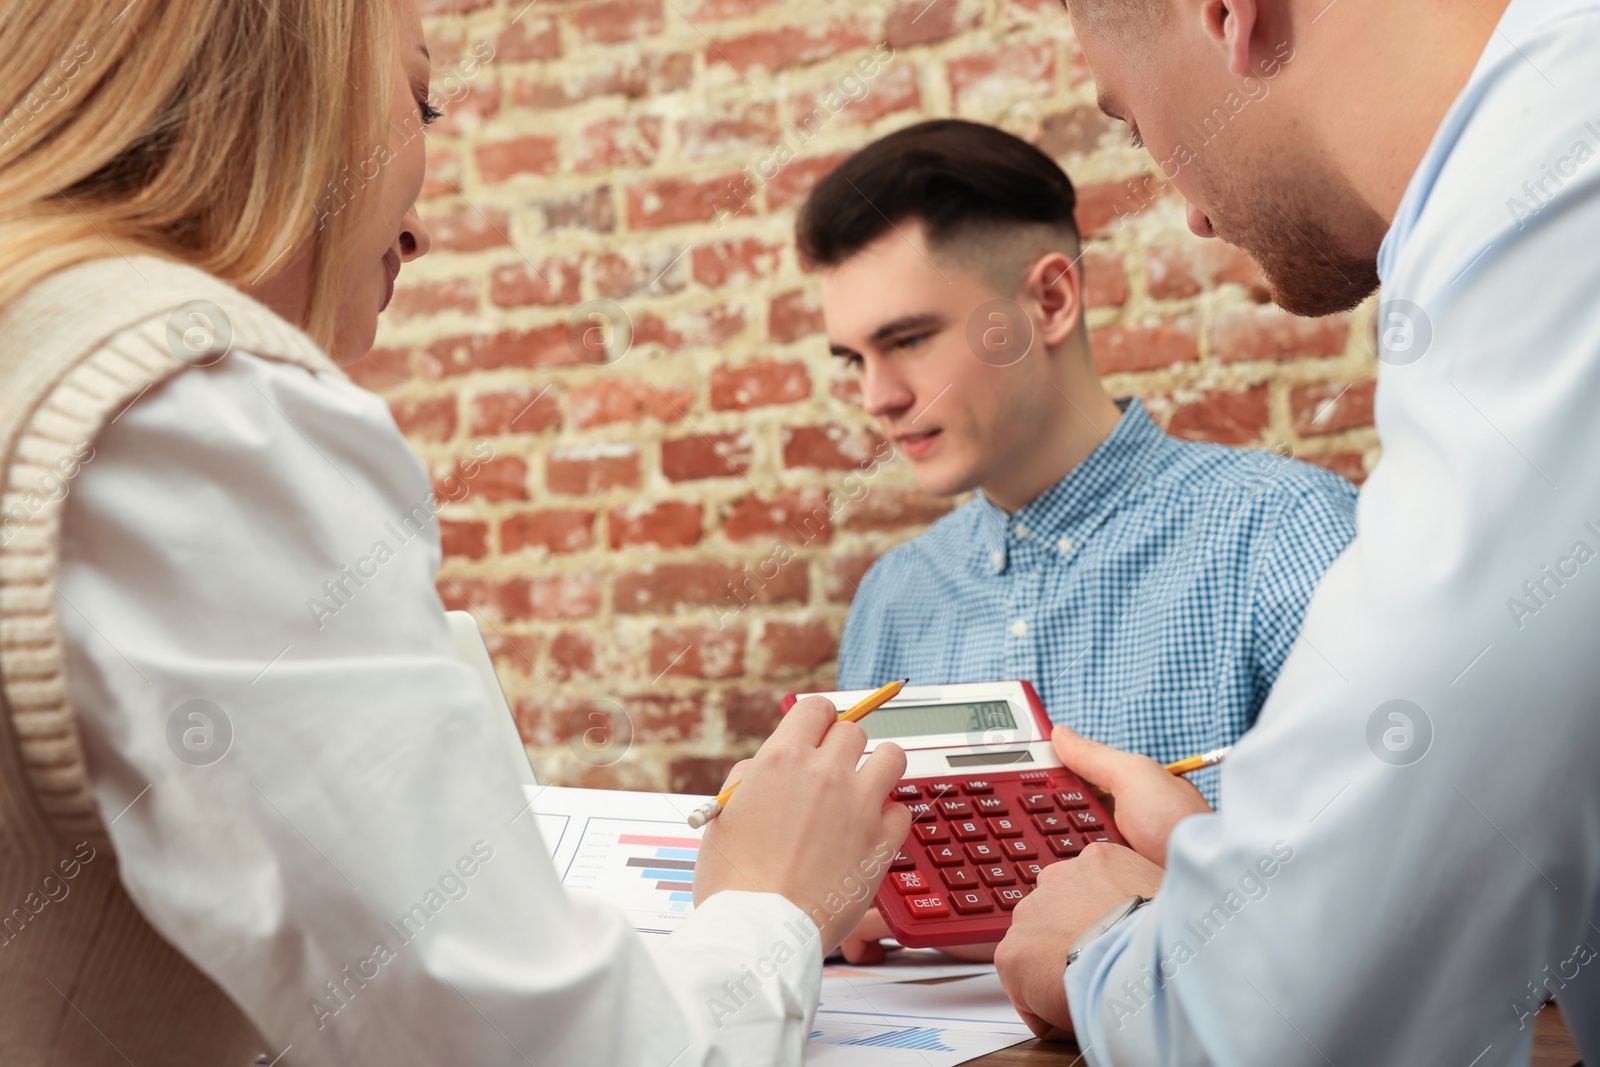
{"points": [[662, 545]]}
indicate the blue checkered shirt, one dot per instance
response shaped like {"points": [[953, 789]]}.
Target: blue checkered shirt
{"points": [[1150, 596]]}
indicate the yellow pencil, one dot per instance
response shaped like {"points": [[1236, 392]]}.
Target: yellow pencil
{"points": [[1205, 759], [713, 807]]}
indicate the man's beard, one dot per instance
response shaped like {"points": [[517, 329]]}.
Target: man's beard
{"points": [[1310, 269]]}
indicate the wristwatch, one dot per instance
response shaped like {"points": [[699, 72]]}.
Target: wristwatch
{"points": [[1120, 911]]}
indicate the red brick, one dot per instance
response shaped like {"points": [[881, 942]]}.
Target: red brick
{"points": [[920, 22], [381, 368], [661, 717], [1351, 466], [1105, 280], [1123, 349], [1175, 272], [566, 596], [834, 448], [433, 298], [787, 46], [797, 646], [469, 230], [696, 652], [443, 174], [750, 126], [891, 90], [504, 160], [742, 260], [752, 714], [796, 516], [451, 7], [1012, 70], [501, 478], [618, 143], [554, 531], [1269, 332], [572, 657], [610, 21], [893, 508], [467, 540], [689, 328], [795, 181], [429, 419], [1101, 207], [665, 588], [698, 456], [513, 653], [467, 113], [794, 315], [627, 400], [553, 283], [671, 201], [668, 525], [1331, 407], [699, 775], [545, 346], [1073, 133], [759, 383], [619, 275], [529, 38], [636, 77], [845, 385], [590, 209], [1229, 417], [843, 574], [515, 411], [721, 10], [584, 470]]}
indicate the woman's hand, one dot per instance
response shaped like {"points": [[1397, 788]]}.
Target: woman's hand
{"points": [[1147, 800], [807, 824]]}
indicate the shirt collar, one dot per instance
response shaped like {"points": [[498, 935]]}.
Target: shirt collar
{"points": [[1063, 517]]}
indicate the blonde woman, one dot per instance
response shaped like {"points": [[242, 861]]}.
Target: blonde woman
{"points": [[185, 466]]}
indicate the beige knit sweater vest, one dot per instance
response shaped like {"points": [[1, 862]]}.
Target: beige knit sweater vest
{"points": [[84, 980]]}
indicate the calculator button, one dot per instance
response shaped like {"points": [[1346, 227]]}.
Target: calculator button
{"points": [[1035, 801], [977, 785], [1005, 827], [1064, 844], [968, 830], [1052, 823], [970, 901], [943, 789], [907, 791], [902, 861], [945, 855], [983, 851], [930, 833], [927, 907], [1018, 848], [1087, 820], [996, 874], [991, 806], [1071, 798], [955, 809], [1091, 837], [910, 881], [1029, 872], [959, 877], [921, 810], [1010, 898]]}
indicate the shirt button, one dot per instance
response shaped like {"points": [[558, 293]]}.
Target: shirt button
{"points": [[1066, 546], [1023, 532], [997, 557], [1020, 628]]}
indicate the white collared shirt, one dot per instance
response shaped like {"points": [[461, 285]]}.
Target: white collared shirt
{"points": [[1407, 858], [356, 871]]}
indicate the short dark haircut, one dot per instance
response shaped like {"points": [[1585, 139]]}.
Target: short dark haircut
{"points": [[955, 177]]}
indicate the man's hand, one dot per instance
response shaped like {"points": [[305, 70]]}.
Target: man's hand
{"points": [[1149, 801], [1070, 896], [864, 945]]}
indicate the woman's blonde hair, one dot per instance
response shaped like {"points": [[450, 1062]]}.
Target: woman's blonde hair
{"points": [[212, 132]]}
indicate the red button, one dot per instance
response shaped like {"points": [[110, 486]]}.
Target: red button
{"points": [[1071, 798], [921, 810], [928, 907], [1064, 844], [971, 901], [977, 785], [1018, 848], [991, 806], [909, 881], [955, 809], [902, 861], [1005, 827], [906, 791], [983, 851], [943, 789], [1029, 872], [996, 874], [958, 877], [930, 833], [1051, 823], [1010, 898], [1087, 820], [945, 855], [968, 830], [1035, 801]]}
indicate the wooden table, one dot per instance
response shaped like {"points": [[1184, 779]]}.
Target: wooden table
{"points": [[1552, 1047]]}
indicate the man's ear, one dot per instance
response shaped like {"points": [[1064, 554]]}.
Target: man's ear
{"points": [[1231, 24], [1054, 285]]}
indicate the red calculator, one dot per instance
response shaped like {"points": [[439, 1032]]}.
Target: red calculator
{"points": [[991, 806]]}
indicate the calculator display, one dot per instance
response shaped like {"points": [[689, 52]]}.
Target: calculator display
{"points": [[916, 720]]}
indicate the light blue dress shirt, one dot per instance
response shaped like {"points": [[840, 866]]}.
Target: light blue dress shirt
{"points": [[1150, 596], [1407, 858]]}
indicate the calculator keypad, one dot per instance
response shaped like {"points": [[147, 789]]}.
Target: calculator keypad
{"points": [[977, 846]]}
